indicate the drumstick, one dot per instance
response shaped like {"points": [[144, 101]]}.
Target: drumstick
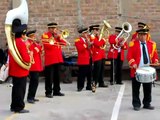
{"points": [[154, 64]]}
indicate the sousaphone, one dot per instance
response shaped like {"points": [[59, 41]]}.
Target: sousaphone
{"points": [[14, 18]]}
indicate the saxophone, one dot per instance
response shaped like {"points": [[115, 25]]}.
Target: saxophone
{"points": [[20, 13]]}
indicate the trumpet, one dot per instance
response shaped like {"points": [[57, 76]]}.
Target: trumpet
{"points": [[29, 52], [124, 34]]}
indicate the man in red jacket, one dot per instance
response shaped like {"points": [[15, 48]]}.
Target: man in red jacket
{"points": [[116, 55], [84, 59], [19, 74], [36, 67], [141, 25], [98, 55], [136, 59], [52, 42]]}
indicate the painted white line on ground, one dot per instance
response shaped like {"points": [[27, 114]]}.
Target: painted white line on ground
{"points": [[117, 104]]}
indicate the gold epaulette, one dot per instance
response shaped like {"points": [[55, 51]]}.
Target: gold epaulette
{"points": [[76, 40], [45, 36], [131, 43], [151, 41]]}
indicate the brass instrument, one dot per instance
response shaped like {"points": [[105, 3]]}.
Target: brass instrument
{"points": [[64, 35], [52, 41], [20, 13], [124, 34], [28, 45], [104, 28]]}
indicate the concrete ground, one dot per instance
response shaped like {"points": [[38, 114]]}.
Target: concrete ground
{"points": [[112, 103]]}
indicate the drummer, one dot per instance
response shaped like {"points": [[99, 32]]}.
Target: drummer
{"points": [[141, 53]]}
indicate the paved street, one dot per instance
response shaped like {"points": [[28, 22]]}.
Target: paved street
{"points": [[112, 103]]}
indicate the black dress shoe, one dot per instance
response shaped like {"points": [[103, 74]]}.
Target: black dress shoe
{"points": [[23, 111], [49, 96], [36, 100], [111, 83], [31, 101], [103, 85], [120, 83], [148, 107], [12, 110], [58, 94], [136, 108], [88, 88], [79, 89]]}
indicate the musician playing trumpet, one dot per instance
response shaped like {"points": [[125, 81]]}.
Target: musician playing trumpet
{"points": [[52, 42], [98, 56], [116, 55], [36, 67]]}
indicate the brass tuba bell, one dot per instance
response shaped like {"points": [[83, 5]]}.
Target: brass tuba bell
{"points": [[20, 13]]}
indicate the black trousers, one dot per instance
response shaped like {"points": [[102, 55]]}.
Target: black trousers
{"points": [[98, 71], [147, 88], [116, 70], [18, 93], [52, 79], [33, 84], [84, 71]]}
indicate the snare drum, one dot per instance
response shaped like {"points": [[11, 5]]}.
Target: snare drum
{"points": [[145, 74]]}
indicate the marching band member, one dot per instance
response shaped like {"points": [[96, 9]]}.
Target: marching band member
{"points": [[116, 55], [98, 56], [53, 59], [36, 67], [141, 25], [141, 52], [83, 60], [19, 74]]}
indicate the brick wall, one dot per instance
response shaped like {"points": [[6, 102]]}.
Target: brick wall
{"points": [[72, 13]]}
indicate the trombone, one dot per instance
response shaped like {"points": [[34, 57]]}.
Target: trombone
{"points": [[64, 35]]}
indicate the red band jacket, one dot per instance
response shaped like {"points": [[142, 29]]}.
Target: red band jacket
{"points": [[37, 51], [134, 54], [83, 52], [113, 53], [98, 52], [53, 52], [16, 70]]}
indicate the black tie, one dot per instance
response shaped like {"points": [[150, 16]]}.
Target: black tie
{"points": [[145, 59]]}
